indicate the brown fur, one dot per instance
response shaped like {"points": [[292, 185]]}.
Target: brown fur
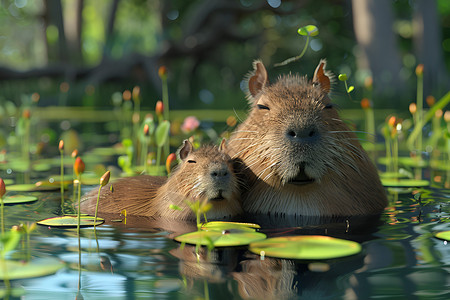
{"points": [[293, 134], [203, 175]]}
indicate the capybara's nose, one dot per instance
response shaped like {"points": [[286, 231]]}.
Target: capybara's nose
{"points": [[219, 172], [302, 134]]}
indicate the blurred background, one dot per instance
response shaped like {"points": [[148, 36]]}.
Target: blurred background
{"points": [[80, 52]]}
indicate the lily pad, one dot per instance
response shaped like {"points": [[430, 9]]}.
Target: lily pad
{"points": [[16, 199], [222, 225], [443, 235], [392, 182], [31, 187], [71, 221], [305, 247], [219, 238], [35, 268]]}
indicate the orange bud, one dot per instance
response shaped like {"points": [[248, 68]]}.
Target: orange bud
{"points": [[79, 166], [365, 103], [170, 162], [412, 108], [64, 87], [159, 108], [2, 188], [162, 72], [146, 129], [438, 114], [392, 121], [135, 117], [61, 145], [136, 93], [419, 70], [105, 178], [35, 97], [26, 114], [430, 101], [126, 95], [447, 116], [74, 153]]}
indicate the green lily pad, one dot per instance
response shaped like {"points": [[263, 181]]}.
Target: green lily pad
{"points": [[30, 187], [8, 181], [35, 268], [393, 182], [14, 292], [71, 221], [443, 235], [219, 238], [222, 225], [16, 199], [305, 247]]}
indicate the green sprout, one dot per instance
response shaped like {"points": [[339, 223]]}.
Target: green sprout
{"points": [[308, 31], [348, 89]]}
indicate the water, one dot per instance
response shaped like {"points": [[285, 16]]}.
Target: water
{"points": [[400, 259]]}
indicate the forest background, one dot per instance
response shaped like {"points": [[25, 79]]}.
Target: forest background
{"points": [[89, 49]]}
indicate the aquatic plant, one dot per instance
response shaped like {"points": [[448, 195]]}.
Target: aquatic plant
{"points": [[2, 193], [343, 77], [163, 74], [61, 152], [103, 181], [308, 31], [79, 167]]}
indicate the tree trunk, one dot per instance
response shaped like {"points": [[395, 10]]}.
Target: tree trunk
{"points": [[73, 20], [57, 50], [427, 46], [109, 30], [373, 20]]}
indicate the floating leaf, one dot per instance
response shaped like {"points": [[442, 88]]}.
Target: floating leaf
{"points": [[305, 247], [71, 221], [222, 225], [393, 182], [16, 292], [22, 187], [16, 199], [308, 30], [443, 235], [218, 238], [35, 268]]}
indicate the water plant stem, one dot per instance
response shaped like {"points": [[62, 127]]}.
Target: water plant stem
{"points": [[295, 58], [79, 204], [419, 103], [1, 212], [61, 151], [428, 116], [395, 154], [165, 98], [96, 205]]}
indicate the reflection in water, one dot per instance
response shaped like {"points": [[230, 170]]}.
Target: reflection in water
{"points": [[400, 258]]}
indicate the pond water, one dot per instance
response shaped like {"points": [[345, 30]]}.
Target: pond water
{"points": [[400, 258]]}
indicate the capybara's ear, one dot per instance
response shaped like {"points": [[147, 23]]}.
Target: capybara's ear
{"points": [[321, 78], [258, 79], [185, 150], [223, 145]]}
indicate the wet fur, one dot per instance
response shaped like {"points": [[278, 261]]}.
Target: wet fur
{"points": [[151, 196], [345, 180]]}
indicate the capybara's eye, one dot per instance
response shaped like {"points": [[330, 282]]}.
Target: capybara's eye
{"points": [[191, 161], [260, 106], [329, 106]]}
